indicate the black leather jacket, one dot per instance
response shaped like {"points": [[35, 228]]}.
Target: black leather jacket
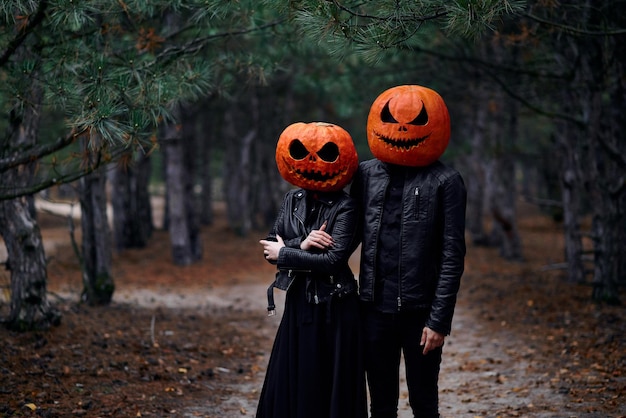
{"points": [[431, 259], [327, 272]]}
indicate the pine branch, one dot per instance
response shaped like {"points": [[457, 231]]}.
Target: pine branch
{"points": [[33, 22], [410, 18], [36, 153]]}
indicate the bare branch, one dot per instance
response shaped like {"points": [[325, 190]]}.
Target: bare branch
{"points": [[35, 153], [491, 69], [13, 192], [574, 30]]}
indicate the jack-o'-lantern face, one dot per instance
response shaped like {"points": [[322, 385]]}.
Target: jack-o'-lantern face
{"points": [[316, 156], [408, 125]]}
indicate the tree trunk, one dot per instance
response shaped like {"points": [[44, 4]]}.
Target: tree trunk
{"points": [[237, 185], [211, 131], [98, 285], [252, 186], [607, 191], [571, 188], [476, 180], [505, 135], [238, 167], [130, 198], [602, 102], [511, 248], [501, 195], [275, 107], [182, 226], [30, 308]]}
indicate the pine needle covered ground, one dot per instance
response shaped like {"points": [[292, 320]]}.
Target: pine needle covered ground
{"points": [[194, 341]]}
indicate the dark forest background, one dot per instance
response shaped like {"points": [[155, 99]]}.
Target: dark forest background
{"points": [[108, 104]]}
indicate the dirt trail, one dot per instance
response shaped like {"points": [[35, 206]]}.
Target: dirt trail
{"points": [[479, 376], [524, 342]]}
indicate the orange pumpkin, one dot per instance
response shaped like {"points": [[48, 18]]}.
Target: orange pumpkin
{"points": [[408, 125], [316, 156]]}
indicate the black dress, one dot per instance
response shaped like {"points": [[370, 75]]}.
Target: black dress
{"points": [[315, 368]]}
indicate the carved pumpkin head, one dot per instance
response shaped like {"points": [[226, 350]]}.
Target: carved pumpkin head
{"points": [[316, 156], [408, 125]]}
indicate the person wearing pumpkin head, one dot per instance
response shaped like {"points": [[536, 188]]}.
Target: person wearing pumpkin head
{"points": [[413, 247], [315, 368]]}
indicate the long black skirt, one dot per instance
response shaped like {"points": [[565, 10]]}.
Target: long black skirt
{"points": [[316, 366]]}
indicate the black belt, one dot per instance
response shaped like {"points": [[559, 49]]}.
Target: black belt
{"points": [[271, 307]]}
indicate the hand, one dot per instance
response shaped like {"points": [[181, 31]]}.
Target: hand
{"points": [[272, 248], [318, 238], [431, 339]]}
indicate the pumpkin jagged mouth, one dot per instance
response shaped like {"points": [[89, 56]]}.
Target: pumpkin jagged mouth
{"points": [[404, 144], [316, 175]]}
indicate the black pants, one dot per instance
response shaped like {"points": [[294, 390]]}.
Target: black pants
{"points": [[385, 336]]}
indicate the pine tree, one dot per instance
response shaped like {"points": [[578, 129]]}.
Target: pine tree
{"points": [[111, 72]]}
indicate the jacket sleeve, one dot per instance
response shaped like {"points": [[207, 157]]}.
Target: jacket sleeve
{"points": [[356, 192], [278, 226], [356, 188], [345, 237], [453, 256], [271, 236]]}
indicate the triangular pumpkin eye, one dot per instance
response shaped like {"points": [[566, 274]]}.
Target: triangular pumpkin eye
{"points": [[385, 115], [297, 150], [422, 118], [329, 152]]}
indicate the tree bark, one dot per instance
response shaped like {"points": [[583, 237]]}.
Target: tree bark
{"points": [[98, 285], [476, 180], [571, 189], [237, 185], [182, 225], [504, 132], [603, 75], [30, 308], [238, 167], [211, 129], [593, 68], [130, 199], [275, 110], [252, 185]]}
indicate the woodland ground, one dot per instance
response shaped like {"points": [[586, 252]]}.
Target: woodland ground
{"points": [[194, 341]]}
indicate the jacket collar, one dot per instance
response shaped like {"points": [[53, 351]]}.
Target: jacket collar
{"points": [[326, 198]]}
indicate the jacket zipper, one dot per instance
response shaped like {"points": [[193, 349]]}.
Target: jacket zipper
{"points": [[416, 193]]}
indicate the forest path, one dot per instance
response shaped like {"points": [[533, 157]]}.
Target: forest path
{"points": [[524, 342], [485, 372]]}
